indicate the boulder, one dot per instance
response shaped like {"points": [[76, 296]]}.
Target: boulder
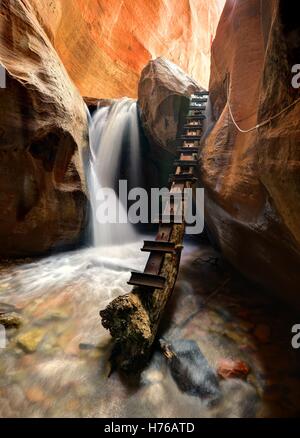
{"points": [[191, 370], [43, 137], [251, 180], [163, 97]]}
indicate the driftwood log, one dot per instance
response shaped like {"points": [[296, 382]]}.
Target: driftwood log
{"points": [[133, 319]]}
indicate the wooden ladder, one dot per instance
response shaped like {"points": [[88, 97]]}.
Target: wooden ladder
{"points": [[184, 177]]}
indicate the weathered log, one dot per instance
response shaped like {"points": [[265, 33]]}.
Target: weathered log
{"points": [[133, 319]]}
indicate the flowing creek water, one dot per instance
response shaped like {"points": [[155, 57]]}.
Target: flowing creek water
{"points": [[56, 363]]}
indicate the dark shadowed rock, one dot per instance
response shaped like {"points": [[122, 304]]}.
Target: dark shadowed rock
{"points": [[43, 134], [190, 369], [163, 99], [252, 180]]}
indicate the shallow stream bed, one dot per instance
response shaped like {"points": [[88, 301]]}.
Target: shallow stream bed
{"points": [[56, 363]]}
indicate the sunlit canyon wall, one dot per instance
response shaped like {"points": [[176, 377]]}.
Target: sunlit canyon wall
{"points": [[104, 45]]}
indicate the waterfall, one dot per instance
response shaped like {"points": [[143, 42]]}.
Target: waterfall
{"points": [[110, 128]]}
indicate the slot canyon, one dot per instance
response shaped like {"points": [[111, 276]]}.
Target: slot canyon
{"points": [[180, 94]]}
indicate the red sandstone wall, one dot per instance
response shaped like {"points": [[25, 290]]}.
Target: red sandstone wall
{"points": [[252, 180], [104, 45]]}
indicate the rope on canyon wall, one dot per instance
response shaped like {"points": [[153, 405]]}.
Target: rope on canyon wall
{"points": [[262, 123]]}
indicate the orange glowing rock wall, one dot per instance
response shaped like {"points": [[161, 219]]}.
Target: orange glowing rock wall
{"points": [[104, 45]]}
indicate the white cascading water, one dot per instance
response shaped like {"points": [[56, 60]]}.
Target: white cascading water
{"points": [[108, 128]]}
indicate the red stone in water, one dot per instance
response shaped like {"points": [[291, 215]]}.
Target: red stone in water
{"points": [[228, 368]]}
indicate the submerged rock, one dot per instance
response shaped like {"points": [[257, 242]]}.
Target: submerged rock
{"points": [[191, 370], [35, 394], [11, 320], [228, 368], [43, 133], [30, 341]]}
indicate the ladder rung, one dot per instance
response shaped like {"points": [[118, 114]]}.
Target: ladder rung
{"points": [[159, 245], [200, 93], [147, 280], [200, 126], [197, 117], [187, 150], [188, 134], [185, 163], [198, 99], [192, 128], [183, 177], [196, 113], [196, 107], [190, 137]]}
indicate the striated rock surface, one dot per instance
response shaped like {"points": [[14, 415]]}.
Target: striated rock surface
{"points": [[104, 45], [252, 179], [163, 97], [43, 131]]}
